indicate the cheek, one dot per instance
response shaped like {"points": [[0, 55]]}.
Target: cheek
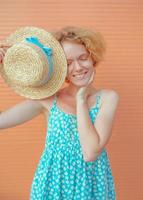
{"points": [[89, 63], [69, 71]]}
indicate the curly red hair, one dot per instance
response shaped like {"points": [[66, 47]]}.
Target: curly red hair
{"points": [[92, 40]]}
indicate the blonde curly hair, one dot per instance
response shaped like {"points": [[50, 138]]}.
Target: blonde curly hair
{"points": [[92, 40]]}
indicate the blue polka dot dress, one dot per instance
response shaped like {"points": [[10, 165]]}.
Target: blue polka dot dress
{"points": [[62, 173]]}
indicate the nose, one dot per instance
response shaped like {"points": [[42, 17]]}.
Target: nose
{"points": [[76, 65]]}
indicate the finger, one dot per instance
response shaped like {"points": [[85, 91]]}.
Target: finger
{"points": [[2, 51], [5, 49], [1, 59], [91, 78], [2, 54], [5, 45]]}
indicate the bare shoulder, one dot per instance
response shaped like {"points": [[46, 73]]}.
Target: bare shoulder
{"points": [[46, 103], [110, 95], [110, 92], [35, 102]]}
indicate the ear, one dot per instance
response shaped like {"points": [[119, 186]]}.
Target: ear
{"points": [[67, 80]]}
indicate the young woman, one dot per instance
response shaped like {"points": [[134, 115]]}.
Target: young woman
{"points": [[74, 164]]}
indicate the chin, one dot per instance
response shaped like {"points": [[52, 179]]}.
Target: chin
{"points": [[79, 83]]}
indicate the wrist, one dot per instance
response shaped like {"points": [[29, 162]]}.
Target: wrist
{"points": [[81, 100]]}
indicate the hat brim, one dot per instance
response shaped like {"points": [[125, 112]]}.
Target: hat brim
{"points": [[59, 62]]}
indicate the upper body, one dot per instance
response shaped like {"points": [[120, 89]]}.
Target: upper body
{"points": [[80, 94], [67, 103]]}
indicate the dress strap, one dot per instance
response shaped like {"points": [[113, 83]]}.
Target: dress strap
{"points": [[54, 102], [55, 99], [96, 108], [99, 100]]}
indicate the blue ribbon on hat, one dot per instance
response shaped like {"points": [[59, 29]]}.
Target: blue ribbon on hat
{"points": [[47, 51]]}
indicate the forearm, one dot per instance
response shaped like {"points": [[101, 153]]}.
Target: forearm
{"points": [[88, 135]]}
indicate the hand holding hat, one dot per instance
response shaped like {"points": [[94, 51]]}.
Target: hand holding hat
{"points": [[3, 48]]}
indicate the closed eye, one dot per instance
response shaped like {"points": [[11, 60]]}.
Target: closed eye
{"points": [[84, 57]]}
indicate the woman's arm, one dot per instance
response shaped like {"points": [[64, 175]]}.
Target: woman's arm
{"points": [[93, 138], [20, 113]]}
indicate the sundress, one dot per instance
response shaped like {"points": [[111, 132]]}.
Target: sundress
{"points": [[62, 173]]}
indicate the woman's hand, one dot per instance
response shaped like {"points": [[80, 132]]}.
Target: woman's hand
{"points": [[3, 49], [84, 92]]}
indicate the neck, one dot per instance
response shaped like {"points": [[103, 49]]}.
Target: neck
{"points": [[72, 90]]}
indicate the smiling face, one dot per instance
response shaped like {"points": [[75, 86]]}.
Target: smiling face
{"points": [[80, 63]]}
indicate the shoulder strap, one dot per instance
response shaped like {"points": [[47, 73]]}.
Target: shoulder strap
{"points": [[55, 99], [99, 100], [54, 102]]}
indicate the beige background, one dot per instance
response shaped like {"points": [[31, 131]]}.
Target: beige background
{"points": [[121, 23]]}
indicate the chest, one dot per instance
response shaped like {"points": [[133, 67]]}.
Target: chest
{"points": [[66, 104]]}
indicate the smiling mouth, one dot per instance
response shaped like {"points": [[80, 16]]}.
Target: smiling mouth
{"points": [[80, 76]]}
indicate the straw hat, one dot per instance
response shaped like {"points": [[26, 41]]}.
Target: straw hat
{"points": [[35, 66]]}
